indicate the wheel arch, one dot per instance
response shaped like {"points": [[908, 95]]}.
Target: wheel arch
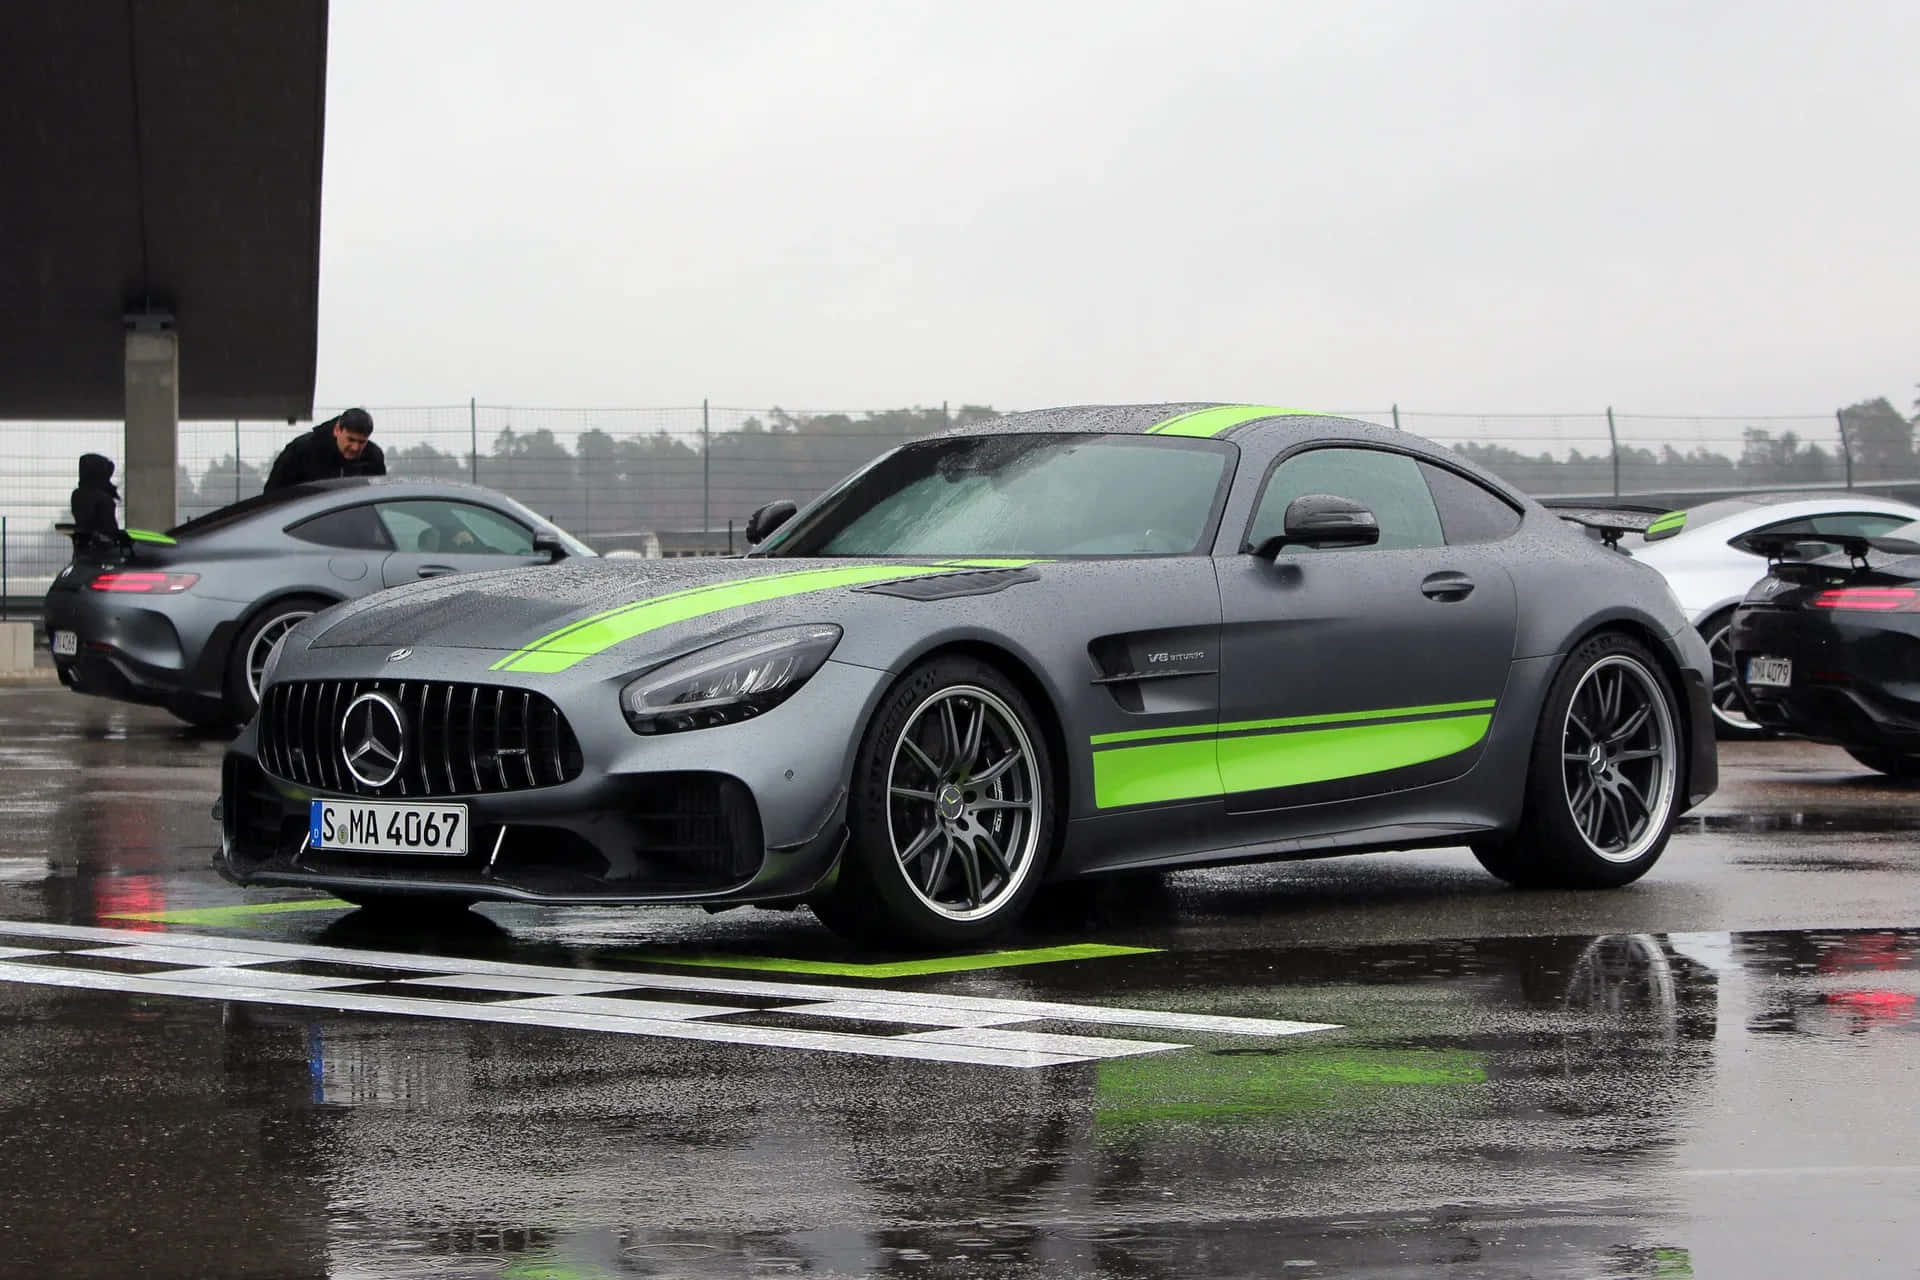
{"points": [[259, 607]]}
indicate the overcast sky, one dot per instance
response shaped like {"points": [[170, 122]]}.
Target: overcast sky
{"points": [[1671, 208]]}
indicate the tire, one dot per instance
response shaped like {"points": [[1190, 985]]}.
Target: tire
{"points": [[1731, 723], [951, 815], [1895, 764], [254, 643], [1603, 784]]}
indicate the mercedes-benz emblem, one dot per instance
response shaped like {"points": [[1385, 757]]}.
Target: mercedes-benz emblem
{"points": [[399, 655], [373, 739]]}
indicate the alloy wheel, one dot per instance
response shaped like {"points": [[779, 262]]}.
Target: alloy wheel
{"points": [[266, 640], [1619, 758], [964, 803]]}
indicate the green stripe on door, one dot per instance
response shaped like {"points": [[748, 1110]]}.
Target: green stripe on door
{"points": [[1203, 766], [1222, 417], [577, 641]]}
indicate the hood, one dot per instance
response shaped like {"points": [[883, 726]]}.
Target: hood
{"points": [[96, 472], [548, 618]]}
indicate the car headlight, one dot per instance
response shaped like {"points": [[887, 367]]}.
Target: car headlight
{"points": [[727, 682]]}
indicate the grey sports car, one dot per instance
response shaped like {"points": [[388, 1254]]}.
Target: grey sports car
{"points": [[187, 618], [1063, 643]]}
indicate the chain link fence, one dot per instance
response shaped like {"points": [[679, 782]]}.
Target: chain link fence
{"points": [[673, 480]]}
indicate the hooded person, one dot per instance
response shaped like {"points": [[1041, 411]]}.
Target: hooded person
{"points": [[95, 524], [334, 448]]}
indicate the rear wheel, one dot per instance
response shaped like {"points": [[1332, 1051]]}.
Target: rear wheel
{"points": [[1730, 719], [255, 644], [1603, 785], [952, 812], [1895, 764]]}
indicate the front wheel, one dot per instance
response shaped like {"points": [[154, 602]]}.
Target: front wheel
{"points": [[1895, 764], [1602, 789], [952, 812]]}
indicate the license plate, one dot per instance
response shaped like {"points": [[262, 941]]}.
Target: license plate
{"points": [[1775, 673], [66, 643], [376, 826]]}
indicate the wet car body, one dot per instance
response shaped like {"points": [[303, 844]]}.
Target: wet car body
{"points": [[185, 619], [1829, 648], [1147, 697]]}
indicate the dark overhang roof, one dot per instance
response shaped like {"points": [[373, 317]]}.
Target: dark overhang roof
{"points": [[163, 154]]}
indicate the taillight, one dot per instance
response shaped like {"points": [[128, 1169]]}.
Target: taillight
{"points": [[144, 582], [1873, 599]]}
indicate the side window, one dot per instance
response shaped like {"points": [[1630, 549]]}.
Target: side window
{"points": [[1388, 484], [1469, 513], [454, 528], [350, 528]]}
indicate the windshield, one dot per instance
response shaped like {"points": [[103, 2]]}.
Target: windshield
{"points": [[1024, 495]]}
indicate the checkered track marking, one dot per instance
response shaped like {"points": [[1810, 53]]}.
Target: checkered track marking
{"points": [[959, 1029]]}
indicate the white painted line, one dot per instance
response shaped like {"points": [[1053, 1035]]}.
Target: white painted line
{"points": [[199, 957], [715, 1033], [1106, 1015], [610, 1007], [256, 979], [1041, 1042], [530, 986], [930, 1014], [14, 953]]}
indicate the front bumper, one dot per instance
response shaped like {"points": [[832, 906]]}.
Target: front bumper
{"points": [[749, 812]]}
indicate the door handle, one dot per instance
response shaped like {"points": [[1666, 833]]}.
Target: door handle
{"points": [[1446, 586], [434, 570]]}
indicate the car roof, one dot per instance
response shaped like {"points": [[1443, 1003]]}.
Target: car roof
{"points": [[1764, 508], [314, 496], [1203, 418]]}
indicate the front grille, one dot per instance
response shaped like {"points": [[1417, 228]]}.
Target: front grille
{"points": [[461, 739]]}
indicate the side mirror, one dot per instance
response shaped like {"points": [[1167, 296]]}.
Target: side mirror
{"points": [[1323, 520], [768, 518], [547, 542]]}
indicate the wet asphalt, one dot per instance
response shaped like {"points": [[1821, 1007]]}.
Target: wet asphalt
{"points": [[1710, 1073]]}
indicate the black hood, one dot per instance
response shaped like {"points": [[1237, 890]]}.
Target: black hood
{"points": [[96, 472]]}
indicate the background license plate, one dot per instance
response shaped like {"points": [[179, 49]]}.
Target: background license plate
{"points": [[374, 826], [1774, 672], [66, 643]]}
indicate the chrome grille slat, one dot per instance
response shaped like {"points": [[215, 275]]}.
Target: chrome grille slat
{"points": [[461, 738]]}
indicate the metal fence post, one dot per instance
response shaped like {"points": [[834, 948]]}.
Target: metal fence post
{"points": [[236, 459], [706, 475], [1846, 450], [4, 593], [1613, 442], [473, 438], [1396, 417]]}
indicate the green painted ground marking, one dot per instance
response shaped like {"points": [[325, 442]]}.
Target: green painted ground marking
{"points": [[1212, 1087], [241, 913], [900, 968]]}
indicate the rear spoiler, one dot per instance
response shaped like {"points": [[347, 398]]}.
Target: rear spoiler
{"points": [[1614, 520], [1791, 550]]}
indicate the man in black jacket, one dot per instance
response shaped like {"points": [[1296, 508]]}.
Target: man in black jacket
{"points": [[337, 447]]}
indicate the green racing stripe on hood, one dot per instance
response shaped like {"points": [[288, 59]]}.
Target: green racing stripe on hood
{"points": [[576, 641], [1222, 417]]}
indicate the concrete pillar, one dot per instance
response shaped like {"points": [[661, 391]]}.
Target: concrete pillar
{"points": [[150, 463]]}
